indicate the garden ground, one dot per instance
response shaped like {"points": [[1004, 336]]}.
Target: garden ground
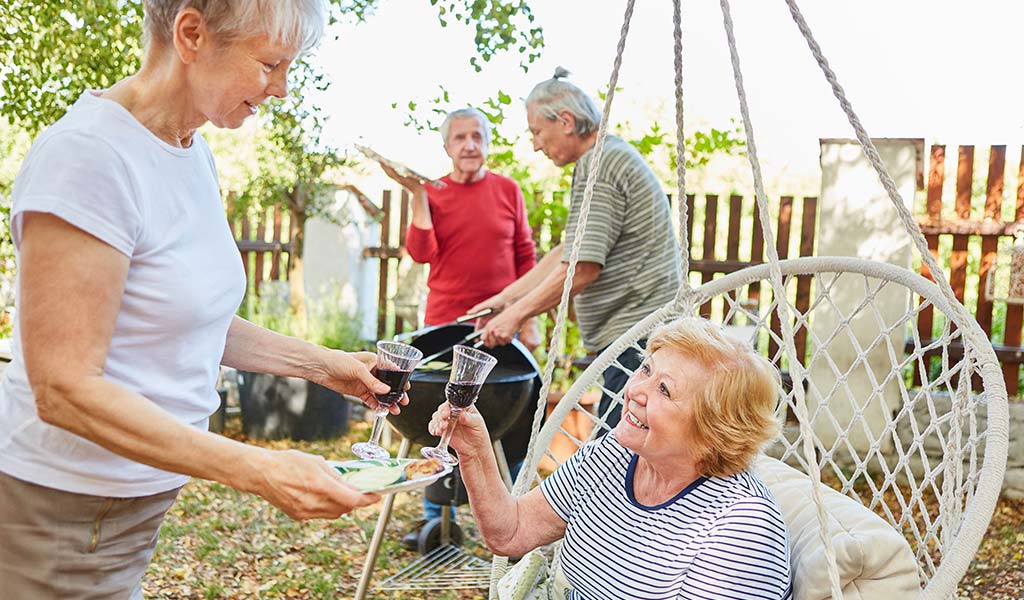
{"points": [[219, 543]]}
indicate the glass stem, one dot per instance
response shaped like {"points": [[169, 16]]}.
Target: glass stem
{"points": [[453, 420], [378, 427]]}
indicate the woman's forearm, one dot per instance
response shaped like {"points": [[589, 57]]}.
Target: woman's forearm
{"points": [[510, 526], [250, 347], [128, 424], [490, 500]]}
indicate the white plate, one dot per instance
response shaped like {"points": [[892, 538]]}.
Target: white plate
{"points": [[384, 476]]}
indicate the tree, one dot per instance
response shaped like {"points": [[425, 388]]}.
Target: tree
{"points": [[52, 51]]}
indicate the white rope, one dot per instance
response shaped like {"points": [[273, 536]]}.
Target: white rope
{"points": [[684, 238], [984, 501], [957, 532], [868, 147], [784, 311], [526, 475]]}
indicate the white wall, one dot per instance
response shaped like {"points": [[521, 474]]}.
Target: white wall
{"points": [[857, 218], [334, 257]]}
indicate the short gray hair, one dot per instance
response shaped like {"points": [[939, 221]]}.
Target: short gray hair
{"points": [[467, 113], [554, 95], [291, 22]]}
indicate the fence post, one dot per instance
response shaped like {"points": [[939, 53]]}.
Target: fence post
{"points": [[856, 218]]}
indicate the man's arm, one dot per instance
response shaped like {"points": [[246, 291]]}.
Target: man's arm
{"points": [[522, 286], [500, 330], [420, 242]]}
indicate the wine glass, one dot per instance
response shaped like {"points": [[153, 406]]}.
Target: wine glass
{"points": [[469, 370], [395, 363]]}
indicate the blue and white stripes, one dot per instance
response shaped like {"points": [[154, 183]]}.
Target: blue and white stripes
{"points": [[718, 538]]}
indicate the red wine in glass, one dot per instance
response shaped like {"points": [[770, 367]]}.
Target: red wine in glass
{"points": [[469, 371], [397, 380], [462, 395], [395, 364]]}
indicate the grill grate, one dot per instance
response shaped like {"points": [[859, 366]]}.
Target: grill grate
{"points": [[444, 568]]}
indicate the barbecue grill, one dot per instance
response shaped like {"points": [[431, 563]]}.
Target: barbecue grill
{"points": [[510, 387], [505, 402]]}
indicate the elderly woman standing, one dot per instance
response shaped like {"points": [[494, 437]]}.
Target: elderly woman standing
{"points": [[129, 283], [663, 506]]}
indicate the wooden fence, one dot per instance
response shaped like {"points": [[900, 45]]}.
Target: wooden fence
{"points": [[975, 231], [264, 257], [794, 230], [969, 233], [742, 246]]}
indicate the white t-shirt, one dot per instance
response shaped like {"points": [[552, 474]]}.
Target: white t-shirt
{"points": [[102, 171], [721, 537]]}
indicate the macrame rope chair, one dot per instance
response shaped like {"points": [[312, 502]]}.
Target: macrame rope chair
{"points": [[894, 475]]}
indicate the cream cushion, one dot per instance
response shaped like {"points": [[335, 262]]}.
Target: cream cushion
{"points": [[874, 559]]}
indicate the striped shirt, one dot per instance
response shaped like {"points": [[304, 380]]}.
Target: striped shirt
{"points": [[718, 538], [629, 233]]}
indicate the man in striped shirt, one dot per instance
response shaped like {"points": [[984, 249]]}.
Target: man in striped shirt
{"points": [[629, 259]]}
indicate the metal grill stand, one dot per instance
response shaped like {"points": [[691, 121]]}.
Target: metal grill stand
{"points": [[447, 567]]}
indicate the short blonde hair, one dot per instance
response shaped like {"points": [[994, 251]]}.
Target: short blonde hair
{"points": [[290, 22], [734, 412]]}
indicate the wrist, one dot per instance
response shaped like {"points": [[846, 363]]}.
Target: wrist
{"points": [[255, 463], [315, 369], [475, 450]]}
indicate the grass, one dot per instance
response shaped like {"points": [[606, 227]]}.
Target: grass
{"points": [[219, 543]]}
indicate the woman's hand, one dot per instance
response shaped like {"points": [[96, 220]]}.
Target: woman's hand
{"points": [[352, 373], [470, 437], [304, 486]]}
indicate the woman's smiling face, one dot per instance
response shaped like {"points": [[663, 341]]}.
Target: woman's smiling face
{"points": [[230, 81], [657, 418]]}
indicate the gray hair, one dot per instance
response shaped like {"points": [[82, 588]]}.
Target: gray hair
{"points": [[291, 22], [554, 95], [467, 113]]}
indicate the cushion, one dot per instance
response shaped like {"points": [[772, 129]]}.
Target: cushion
{"points": [[526, 579], [873, 558]]}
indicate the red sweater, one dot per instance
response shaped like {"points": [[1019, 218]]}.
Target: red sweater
{"points": [[480, 243]]}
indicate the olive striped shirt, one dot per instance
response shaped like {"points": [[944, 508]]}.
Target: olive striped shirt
{"points": [[629, 233]]}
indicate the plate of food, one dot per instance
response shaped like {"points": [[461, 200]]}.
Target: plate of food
{"points": [[390, 475]]}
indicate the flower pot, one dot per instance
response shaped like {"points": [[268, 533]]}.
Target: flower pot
{"points": [[275, 407]]}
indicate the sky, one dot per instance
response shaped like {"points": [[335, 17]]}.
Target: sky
{"points": [[941, 70]]}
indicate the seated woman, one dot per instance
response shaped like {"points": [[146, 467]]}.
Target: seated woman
{"points": [[663, 506]]}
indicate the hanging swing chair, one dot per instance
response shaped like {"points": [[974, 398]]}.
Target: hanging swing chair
{"points": [[876, 450]]}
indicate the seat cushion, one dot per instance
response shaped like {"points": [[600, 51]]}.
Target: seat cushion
{"points": [[873, 558]]}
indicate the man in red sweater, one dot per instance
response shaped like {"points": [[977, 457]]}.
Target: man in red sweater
{"points": [[473, 232]]}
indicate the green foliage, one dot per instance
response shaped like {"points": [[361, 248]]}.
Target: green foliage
{"points": [[501, 25], [53, 51], [332, 326], [14, 144]]}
